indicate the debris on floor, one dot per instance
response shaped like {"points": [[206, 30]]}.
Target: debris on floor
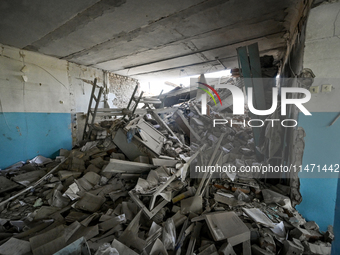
{"points": [[128, 190]]}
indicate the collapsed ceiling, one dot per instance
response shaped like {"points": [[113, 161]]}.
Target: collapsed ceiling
{"points": [[150, 38]]}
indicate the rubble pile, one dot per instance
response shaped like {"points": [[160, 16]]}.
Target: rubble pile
{"points": [[129, 191]]}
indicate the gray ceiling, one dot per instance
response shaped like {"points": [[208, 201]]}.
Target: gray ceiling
{"points": [[148, 38]]}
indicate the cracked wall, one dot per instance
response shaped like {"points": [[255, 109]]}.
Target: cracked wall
{"points": [[45, 111]]}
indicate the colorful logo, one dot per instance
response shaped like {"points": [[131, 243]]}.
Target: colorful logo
{"points": [[238, 99], [208, 92]]}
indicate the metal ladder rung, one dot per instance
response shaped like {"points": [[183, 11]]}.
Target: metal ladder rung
{"points": [[91, 112]]}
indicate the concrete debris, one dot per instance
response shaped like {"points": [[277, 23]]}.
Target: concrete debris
{"points": [[227, 226], [129, 191]]}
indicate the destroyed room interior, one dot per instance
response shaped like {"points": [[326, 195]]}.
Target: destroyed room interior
{"points": [[169, 127]]}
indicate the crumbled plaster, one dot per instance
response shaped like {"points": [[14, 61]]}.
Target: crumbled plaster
{"points": [[122, 87]]}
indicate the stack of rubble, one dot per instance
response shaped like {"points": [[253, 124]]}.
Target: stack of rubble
{"points": [[129, 191]]}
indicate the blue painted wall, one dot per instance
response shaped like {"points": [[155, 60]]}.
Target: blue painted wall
{"points": [[319, 190], [336, 242], [26, 135]]}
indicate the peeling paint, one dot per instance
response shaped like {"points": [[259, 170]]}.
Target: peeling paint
{"points": [[122, 87]]}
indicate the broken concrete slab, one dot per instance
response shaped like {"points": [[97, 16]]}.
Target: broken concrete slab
{"points": [[27, 178], [320, 249], [292, 247], [89, 202], [79, 246], [122, 166], [64, 174], [142, 159], [192, 205], [130, 235], [49, 242], [158, 248], [227, 226], [227, 199], [122, 249], [7, 185], [256, 250], [164, 162], [15, 247], [258, 216]]}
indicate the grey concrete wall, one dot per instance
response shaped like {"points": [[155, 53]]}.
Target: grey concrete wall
{"points": [[322, 55]]}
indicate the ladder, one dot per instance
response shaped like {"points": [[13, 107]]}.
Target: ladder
{"points": [[92, 112], [131, 112], [128, 111]]}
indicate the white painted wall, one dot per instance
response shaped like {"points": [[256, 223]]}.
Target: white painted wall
{"points": [[322, 55], [47, 82], [52, 86], [82, 89]]}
